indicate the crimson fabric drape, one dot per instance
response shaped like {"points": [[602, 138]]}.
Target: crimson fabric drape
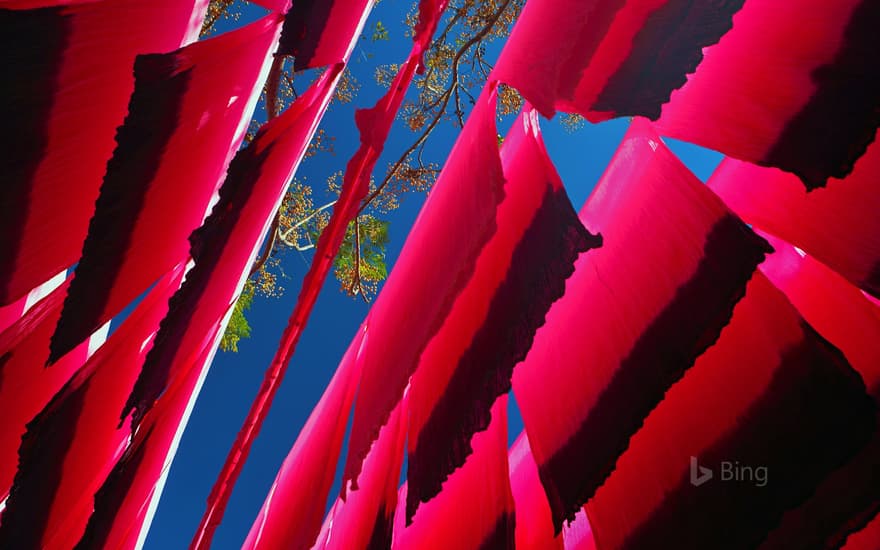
{"points": [[578, 534], [72, 444], [11, 313], [476, 508], [866, 539], [770, 393], [365, 519], [534, 524], [518, 274], [26, 386], [795, 85], [319, 32], [838, 225], [186, 118], [130, 492], [608, 58], [225, 245], [303, 482], [69, 78], [850, 496], [635, 315]]}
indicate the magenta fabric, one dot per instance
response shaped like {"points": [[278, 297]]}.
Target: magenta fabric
{"points": [[26, 386], [838, 225], [518, 274], [578, 534], [365, 519], [769, 393], [794, 85], [534, 524], [72, 65], [848, 497], [476, 507], [72, 444], [121, 504], [609, 58], [635, 315], [321, 32], [186, 118], [303, 482], [11, 313]]}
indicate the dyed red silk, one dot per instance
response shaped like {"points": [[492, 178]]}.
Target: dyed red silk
{"points": [[519, 273], [847, 498], [770, 393], [476, 507], [578, 535], [186, 118], [838, 225], [534, 525], [72, 66], [321, 32], [866, 539], [608, 58], [26, 386], [794, 85], [458, 218], [635, 315], [227, 243], [303, 482], [11, 313], [366, 518], [126, 501], [72, 444]]}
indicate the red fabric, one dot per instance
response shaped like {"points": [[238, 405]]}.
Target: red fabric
{"points": [[365, 519], [794, 85], [848, 498], [476, 507], [518, 274], [321, 32], [607, 58], [838, 225], [534, 524], [866, 539], [769, 393], [578, 535], [186, 118], [13, 312], [303, 482], [635, 315], [374, 125], [227, 243], [72, 444], [26, 386], [73, 79], [456, 221], [129, 493]]}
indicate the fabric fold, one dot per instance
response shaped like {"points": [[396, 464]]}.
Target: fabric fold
{"points": [[765, 414], [636, 314], [186, 118], [69, 66]]}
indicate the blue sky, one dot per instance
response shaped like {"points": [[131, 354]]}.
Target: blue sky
{"points": [[579, 157]]}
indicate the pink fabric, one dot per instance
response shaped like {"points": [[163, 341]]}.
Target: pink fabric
{"points": [[636, 314], [11, 313], [303, 482], [846, 499], [90, 48], [71, 446], [578, 535], [798, 410], [26, 385], [187, 117], [321, 32], [607, 58], [475, 508], [365, 518], [534, 524], [838, 225], [794, 85], [519, 273], [122, 503], [454, 225]]}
